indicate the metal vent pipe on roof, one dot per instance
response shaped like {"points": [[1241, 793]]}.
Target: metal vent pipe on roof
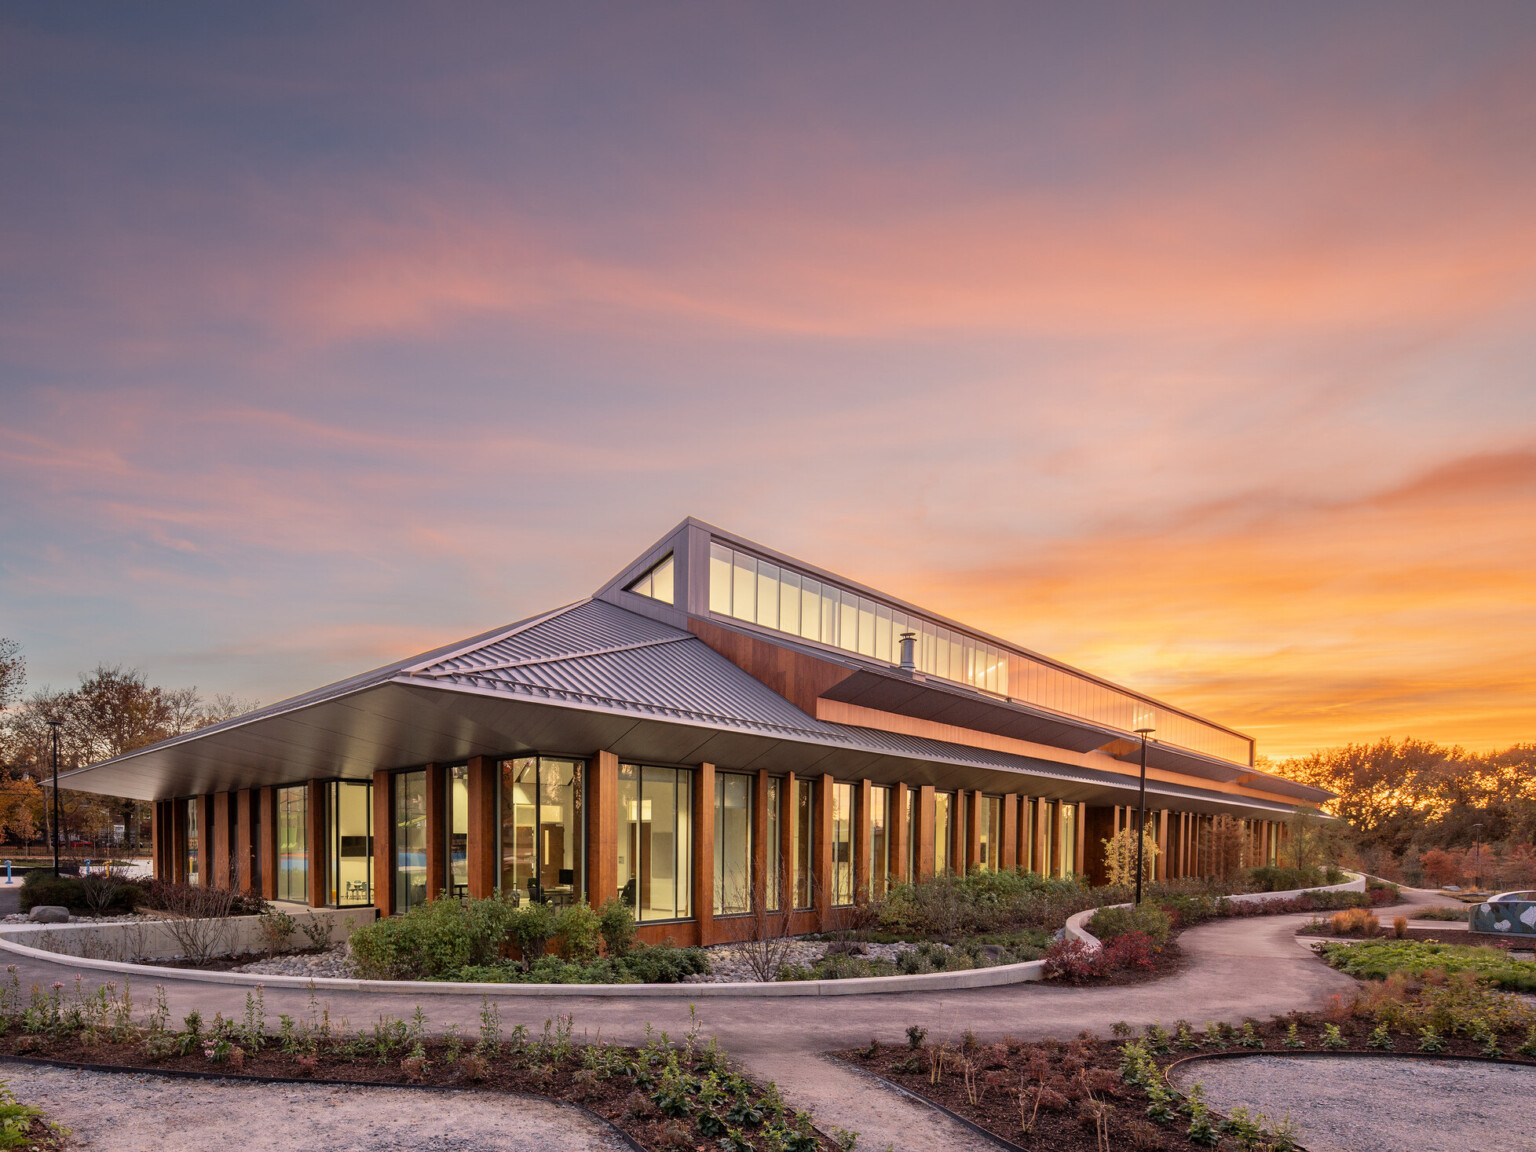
{"points": [[908, 651]]}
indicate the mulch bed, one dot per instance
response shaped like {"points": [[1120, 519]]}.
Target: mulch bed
{"points": [[983, 1083], [615, 1097]]}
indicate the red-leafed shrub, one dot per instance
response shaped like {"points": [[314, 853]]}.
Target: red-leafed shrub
{"points": [[1070, 959], [1132, 950]]}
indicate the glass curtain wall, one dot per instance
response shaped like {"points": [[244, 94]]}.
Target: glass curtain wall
{"points": [[410, 840], [802, 844], [350, 874], [879, 839], [1027, 835], [943, 816], [293, 843], [912, 853], [1068, 839], [194, 873], [842, 844], [656, 841], [989, 830], [457, 809], [542, 846], [773, 596], [773, 883], [733, 843], [1049, 863]]}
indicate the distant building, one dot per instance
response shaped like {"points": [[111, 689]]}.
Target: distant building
{"points": [[719, 728]]}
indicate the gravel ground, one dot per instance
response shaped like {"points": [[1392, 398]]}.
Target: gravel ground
{"points": [[728, 962], [335, 962], [1376, 1103], [133, 1112]]}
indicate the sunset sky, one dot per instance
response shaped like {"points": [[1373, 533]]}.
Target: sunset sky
{"points": [[1193, 346]]}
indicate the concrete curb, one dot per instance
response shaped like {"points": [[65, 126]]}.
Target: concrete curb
{"points": [[863, 986]]}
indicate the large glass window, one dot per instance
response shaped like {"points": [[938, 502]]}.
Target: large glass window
{"points": [[541, 828], [1068, 839], [733, 843], [1048, 865], [657, 581], [943, 819], [763, 593], [802, 843], [293, 843], [912, 845], [457, 809], [194, 873], [879, 839], [351, 843], [773, 883], [410, 840], [842, 844], [656, 841], [989, 830]]}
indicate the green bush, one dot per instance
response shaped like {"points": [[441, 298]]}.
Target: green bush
{"points": [[531, 926], [665, 964], [1270, 878], [658, 964], [1111, 923], [616, 921], [579, 931], [434, 938], [40, 886]]}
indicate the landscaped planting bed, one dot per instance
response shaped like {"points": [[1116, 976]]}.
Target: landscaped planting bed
{"points": [[665, 1094], [1425, 959], [1093, 1094]]}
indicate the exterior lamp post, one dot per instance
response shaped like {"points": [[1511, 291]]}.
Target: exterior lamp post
{"points": [[1141, 820], [1477, 856], [54, 724]]}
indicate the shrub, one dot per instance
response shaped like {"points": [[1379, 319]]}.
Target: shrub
{"points": [[1400, 927], [186, 899], [1148, 919], [579, 930], [1269, 878], [664, 964], [432, 939], [1354, 920], [274, 927], [531, 926], [616, 921], [1377, 959], [1070, 959], [1129, 950]]}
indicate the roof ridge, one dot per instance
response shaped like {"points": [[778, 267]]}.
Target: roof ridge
{"points": [[554, 659]]}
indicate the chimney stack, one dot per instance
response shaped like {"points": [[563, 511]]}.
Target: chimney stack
{"points": [[908, 649]]}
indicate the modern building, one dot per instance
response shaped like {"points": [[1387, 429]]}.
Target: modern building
{"points": [[718, 732]]}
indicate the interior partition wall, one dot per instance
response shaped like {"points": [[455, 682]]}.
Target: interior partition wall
{"points": [[349, 848], [655, 841], [543, 846]]}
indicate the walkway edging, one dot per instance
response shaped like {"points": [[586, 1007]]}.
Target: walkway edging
{"points": [[1028, 971]]}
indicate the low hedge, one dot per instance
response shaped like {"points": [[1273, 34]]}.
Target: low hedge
{"points": [[1111, 923], [645, 964], [79, 894]]}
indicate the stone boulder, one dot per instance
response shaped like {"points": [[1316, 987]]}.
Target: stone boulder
{"points": [[49, 914]]}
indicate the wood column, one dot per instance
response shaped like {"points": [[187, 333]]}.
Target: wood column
{"points": [[760, 896], [821, 820], [900, 834], [245, 838], [1008, 835], [383, 843], [179, 840], [319, 884], [603, 829], [437, 815], [704, 852], [482, 827], [221, 856], [925, 861], [863, 861], [266, 841], [973, 803]]}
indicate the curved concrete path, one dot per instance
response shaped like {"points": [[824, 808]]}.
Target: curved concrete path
{"points": [[1232, 969]]}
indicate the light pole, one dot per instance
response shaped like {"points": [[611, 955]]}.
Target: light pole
{"points": [[55, 724], [1141, 819], [1477, 856]]}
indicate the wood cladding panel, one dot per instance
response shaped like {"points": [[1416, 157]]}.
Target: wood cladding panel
{"points": [[799, 678], [383, 843]]}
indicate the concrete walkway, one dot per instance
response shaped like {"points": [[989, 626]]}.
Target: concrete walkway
{"points": [[1232, 969]]}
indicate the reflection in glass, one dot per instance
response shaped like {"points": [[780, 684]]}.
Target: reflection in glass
{"points": [[655, 870], [293, 843], [842, 844], [410, 840], [733, 843], [773, 883], [912, 853], [943, 815], [801, 854], [351, 843], [1068, 839], [879, 839], [193, 874], [541, 828]]}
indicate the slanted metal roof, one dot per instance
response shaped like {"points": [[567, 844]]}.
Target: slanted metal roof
{"points": [[590, 675]]}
